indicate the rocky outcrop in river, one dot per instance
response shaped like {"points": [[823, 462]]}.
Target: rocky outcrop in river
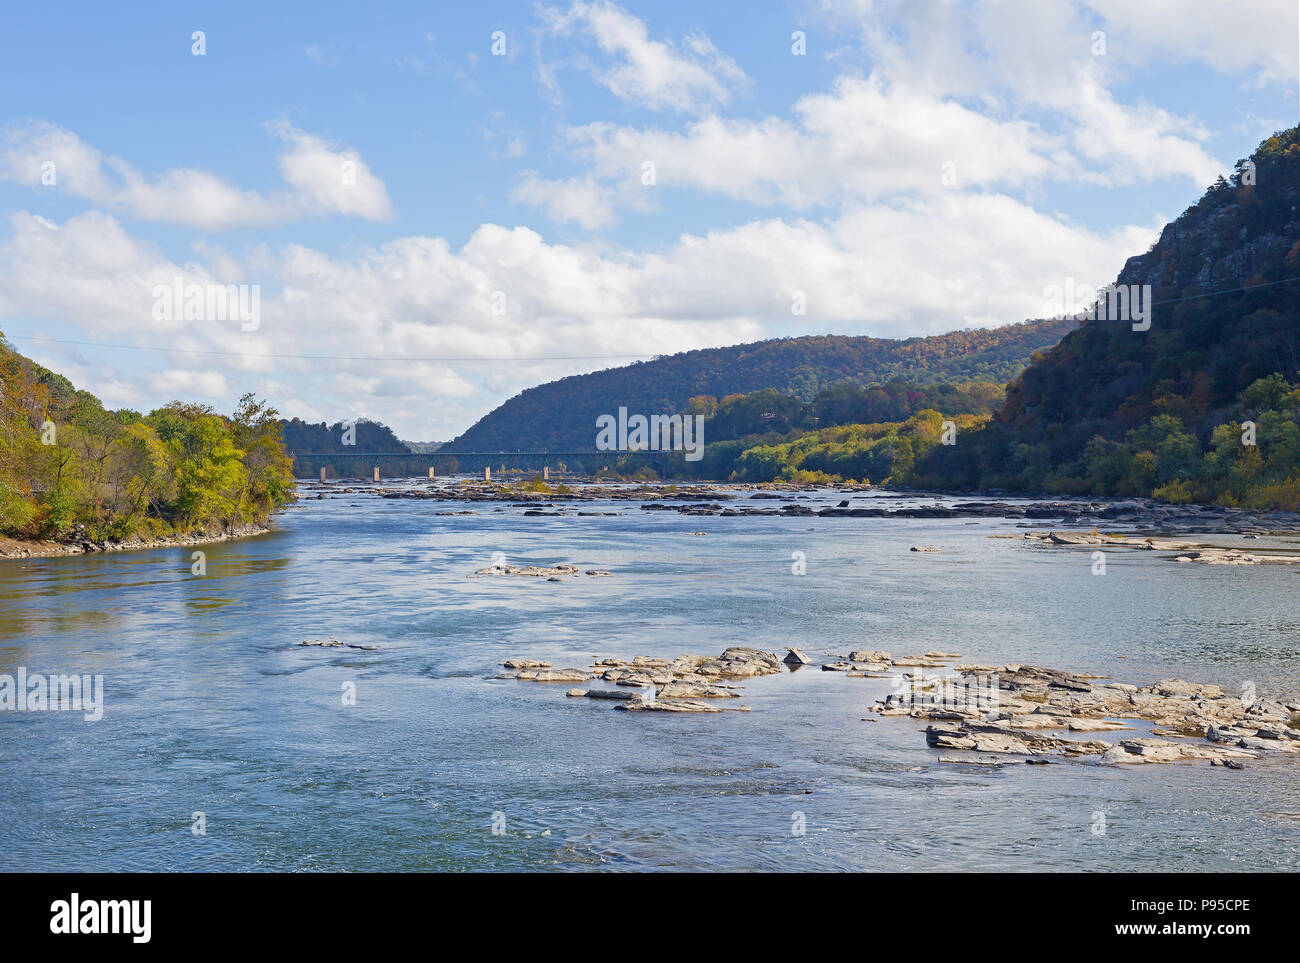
{"points": [[688, 683], [1010, 710], [1180, 551], [1033, 710], [1142, 516]]}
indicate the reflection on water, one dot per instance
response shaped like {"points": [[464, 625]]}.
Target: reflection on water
{"points": [[212, 706]]}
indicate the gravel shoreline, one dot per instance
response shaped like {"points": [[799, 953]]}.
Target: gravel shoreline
{"points": [[16, 548]]}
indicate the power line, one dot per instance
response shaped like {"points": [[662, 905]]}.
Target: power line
{"points": [[314, 357], [403, 455], [1212, 294], [469, 360]]}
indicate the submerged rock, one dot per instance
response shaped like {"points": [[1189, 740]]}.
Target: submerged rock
{"points": [[333, 643], [695, 690], [529, 571]]}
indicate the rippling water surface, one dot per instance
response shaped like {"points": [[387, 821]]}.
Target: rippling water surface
{"points": [[211, 707]]}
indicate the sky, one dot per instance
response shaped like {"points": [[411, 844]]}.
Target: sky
{"points": [[438, 206]]}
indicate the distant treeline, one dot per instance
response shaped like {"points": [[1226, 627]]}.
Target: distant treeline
{"points": [[733, 424]]}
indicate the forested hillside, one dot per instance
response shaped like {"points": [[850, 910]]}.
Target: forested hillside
{"points": [[561, 415], [366, 436], [1201, 407], [847, 431], [69, 466]]}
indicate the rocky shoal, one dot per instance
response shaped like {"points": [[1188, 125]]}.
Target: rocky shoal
{"points": [[1011, 710], [688, 683], [552, 573], [1144, 516], [1033, 709], [1181, 551]]}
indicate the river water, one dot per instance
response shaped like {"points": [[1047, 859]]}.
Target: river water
{"points": [[210, 706]]}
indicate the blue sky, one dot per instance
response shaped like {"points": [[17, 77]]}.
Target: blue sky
{"points": [[923, 167]]}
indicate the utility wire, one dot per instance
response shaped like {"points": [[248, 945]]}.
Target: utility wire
{"points": [[468, 360], [312, 357]]}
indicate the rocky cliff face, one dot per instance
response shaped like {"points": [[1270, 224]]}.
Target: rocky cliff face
{"points": [[1207, 341]]}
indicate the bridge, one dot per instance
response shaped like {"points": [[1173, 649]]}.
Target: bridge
{"points": [[357, 461]]}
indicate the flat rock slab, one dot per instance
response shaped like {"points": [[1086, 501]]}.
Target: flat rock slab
{"points": [[695, 690], [617, 694], [1162, 750], [688, 683], [1034, 704], [551, 675], [1186, 551], [675, 706], [870, 655]]}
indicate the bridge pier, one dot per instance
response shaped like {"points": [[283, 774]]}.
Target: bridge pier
{"points": [[376, 473], [431, 473], [487, 473], [322, 474]]}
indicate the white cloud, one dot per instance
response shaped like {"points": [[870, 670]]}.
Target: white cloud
{"points": [[1252, 36], [853, 213], [1138, 143], [863, 140], [87, 270], [194, 198], [649, 73], [582, 201], [925, 265], [330, 179], [898, 131], [1035, 58], [189, 383]]}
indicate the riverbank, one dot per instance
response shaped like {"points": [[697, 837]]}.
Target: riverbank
{"points": [[17, 548]]}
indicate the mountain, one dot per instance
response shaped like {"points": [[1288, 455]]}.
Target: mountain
{"points": [[1169, 410], [561, 415]]}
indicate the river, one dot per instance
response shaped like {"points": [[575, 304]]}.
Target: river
{"points": [[211, 707]]}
